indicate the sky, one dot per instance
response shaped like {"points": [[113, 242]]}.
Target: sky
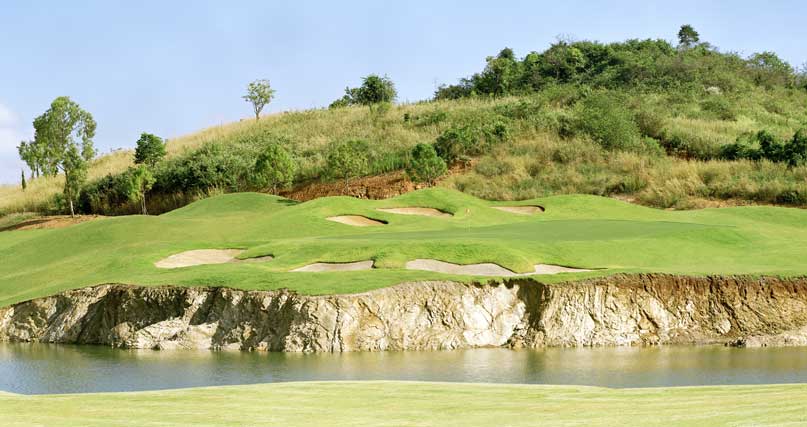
{"points": [[173, 67]]}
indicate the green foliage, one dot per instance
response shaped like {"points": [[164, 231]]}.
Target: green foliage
{"points": [[347, 159], [765, 145], [139, 182], [275, 168], [687, 36], [720, 107], [425, 165], [33, 154], [605, 118], [150, 149], [22, 180], [459, 143], [64, 133], [259, 94], [374, 90]]}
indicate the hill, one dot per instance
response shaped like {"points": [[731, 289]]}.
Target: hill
{"points": [[667, 126]]}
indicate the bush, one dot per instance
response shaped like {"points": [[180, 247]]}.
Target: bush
{"points": [[425, 165], [493, 167], [719, 107], [605, 118], [274, 168], [456, 144], [347, 159]]}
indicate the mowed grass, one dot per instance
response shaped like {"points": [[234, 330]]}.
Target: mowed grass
{"points": [[415, 404], [577, 231]]}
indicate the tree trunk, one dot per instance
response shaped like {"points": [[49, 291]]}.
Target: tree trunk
{"points": [[143, 204], [72, 212]]}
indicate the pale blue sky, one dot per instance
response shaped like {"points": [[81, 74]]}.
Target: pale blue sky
{"points": [[171, 67]]}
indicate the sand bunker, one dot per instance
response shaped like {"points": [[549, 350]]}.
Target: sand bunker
{"points": [[336, 266], [356, 220], [416, 211], [484, 269], [206, 256], [522, 210]]}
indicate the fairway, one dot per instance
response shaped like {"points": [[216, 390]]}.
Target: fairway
{"points": [[587, 232], [414, 404]]}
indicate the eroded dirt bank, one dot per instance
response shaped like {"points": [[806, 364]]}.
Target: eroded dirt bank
{"points": [[522, 313]]}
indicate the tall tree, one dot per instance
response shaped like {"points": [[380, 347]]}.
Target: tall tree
{"points": [[687, 36], [22, 177], [259, 94], [139, 182], [150, 149], [64, 132]]}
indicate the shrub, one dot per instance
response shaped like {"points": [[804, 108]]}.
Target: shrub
{"points": [[796, 151], [493, 167], [650, 124], [274, 168], [719, 107], [347, 159], [425, 165], [455, 144], [605, 118]]}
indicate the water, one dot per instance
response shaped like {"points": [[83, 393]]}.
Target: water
{"points": [[41, 368]]}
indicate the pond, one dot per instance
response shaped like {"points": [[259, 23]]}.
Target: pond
{"points": [[43, 368]]}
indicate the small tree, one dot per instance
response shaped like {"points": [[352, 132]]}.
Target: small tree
{"points": [[425, 165], [687, 36], [22, 177], [150, 149], [75, 174], [274, 168], [375, 90], [139, 181], [64, 134], [259, 93], [347, 159]]}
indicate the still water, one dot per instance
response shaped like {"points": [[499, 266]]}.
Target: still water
{"points": [[41, 368]]}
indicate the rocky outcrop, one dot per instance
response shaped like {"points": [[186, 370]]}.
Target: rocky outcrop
{"points": [[523, 313]]}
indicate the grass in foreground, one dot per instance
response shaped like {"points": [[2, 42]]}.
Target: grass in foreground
{"points": [[414, 404], [577, 231]]}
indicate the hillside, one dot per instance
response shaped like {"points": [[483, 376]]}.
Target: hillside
{"points": [[666, 126], [604, 235]]}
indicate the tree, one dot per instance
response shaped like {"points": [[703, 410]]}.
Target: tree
{"points": [[64, 134], [259, 93], [347, 159], [687, 36], [274, 168], [796, 151], [32, 153], [150, 149], [22, 177], [75, 173], [139, 182], [425, 165], [374, 90]]}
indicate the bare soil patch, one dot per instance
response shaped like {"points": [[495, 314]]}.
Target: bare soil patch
{"points": [[484, 269], [336, 266], [521, 210], [416, 211], [206, 256], [49, 222], [356, 220]]}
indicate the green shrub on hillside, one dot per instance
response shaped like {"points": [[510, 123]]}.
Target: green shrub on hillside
{"points": [[274, 168], [605, 118], [347, 160], [425, 165]]}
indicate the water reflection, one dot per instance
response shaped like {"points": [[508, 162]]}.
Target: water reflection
{"points": [[41, 368]]}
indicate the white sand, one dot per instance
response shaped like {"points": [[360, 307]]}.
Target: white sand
{"points": [[206, 256], [521, 210], [416, 211], [484, 269], [336, 266], [355, 220]]}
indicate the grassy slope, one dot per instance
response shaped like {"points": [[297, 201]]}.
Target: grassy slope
{"points": [[414, 404], [583, 231], [535, 163]]}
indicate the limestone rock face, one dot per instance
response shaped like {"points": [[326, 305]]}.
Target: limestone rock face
{"points": [[523, 313]]}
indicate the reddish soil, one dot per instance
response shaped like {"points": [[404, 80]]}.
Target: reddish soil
{"points": [[55, 221]]}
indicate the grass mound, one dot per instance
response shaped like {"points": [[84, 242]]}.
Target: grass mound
{"points": [[581, 231]]}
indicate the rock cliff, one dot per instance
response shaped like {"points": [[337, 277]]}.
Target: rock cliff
{"points": [[616, 310]]}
